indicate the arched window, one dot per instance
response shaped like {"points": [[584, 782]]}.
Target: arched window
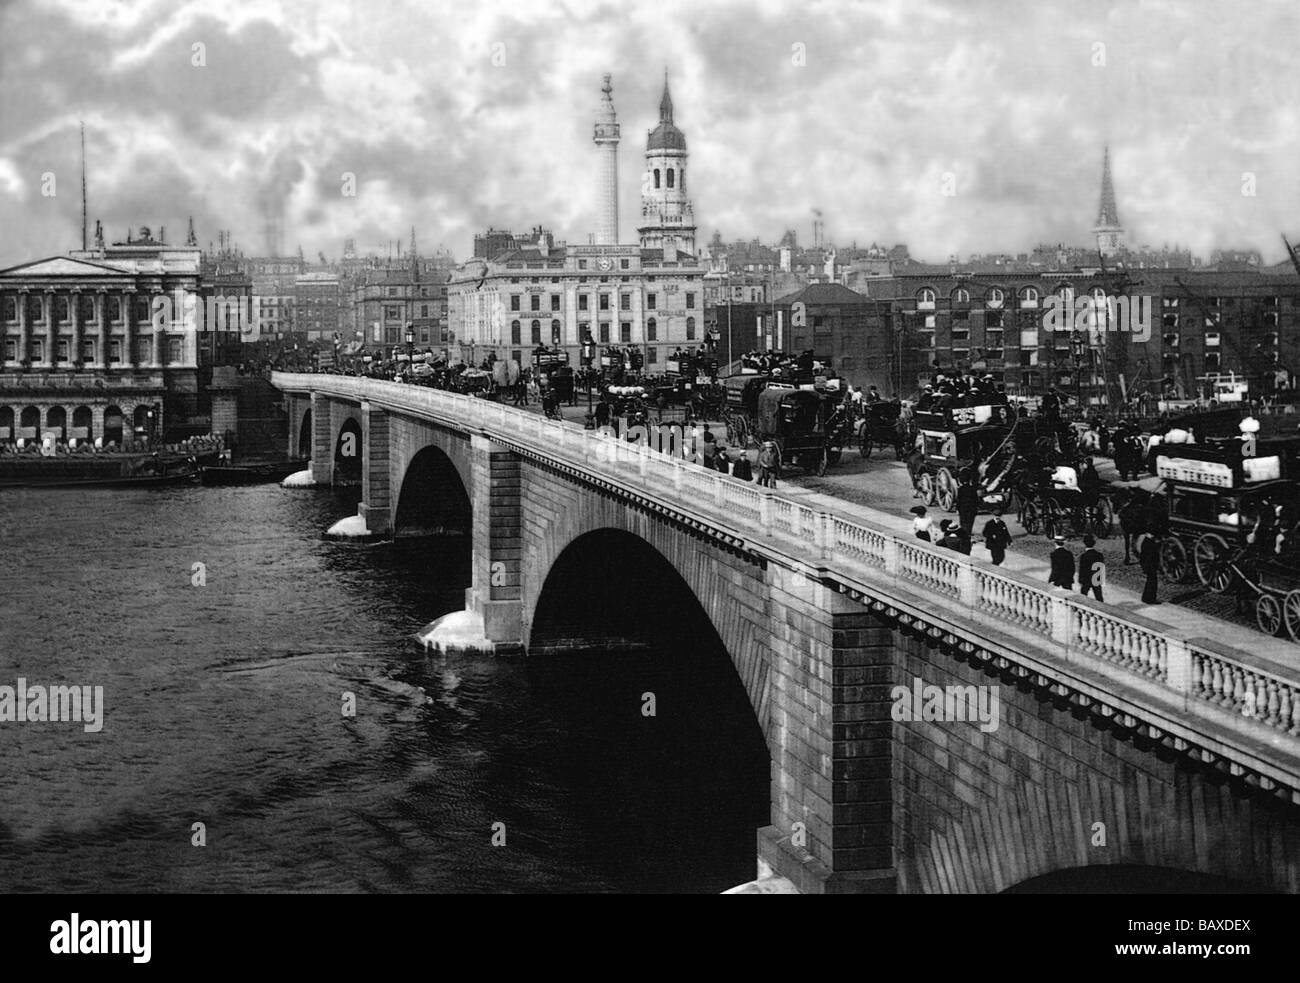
{"points": [[555, 332], [652, 330], [670, 177], [690, 329], [1028, 297], [62, 309], [925, 299], [656, 177], [10, 311], [515, 336], [681, 179], [961, 296], [996, 297], [536, 332]]}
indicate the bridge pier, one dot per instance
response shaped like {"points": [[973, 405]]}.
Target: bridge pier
{"points": [[376, 508], [831, 828], [322, 440], [495, 588]]}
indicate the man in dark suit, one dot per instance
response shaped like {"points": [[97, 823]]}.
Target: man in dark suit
{"points": [[1092, 568], [997, 537], [1062, 574]]}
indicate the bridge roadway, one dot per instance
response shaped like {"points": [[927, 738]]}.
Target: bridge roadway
{"points": [[1120, 705]]}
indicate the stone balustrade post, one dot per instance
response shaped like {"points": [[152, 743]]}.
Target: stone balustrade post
{"points": [[1178, 675], [967, 587], [1060, 622]]}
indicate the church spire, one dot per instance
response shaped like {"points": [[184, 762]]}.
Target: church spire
{"points": [[1108, 231], [1107, 214], [666, 103]]}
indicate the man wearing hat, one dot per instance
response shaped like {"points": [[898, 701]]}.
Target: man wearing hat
{"points": [[1062, 574], [997, 537], [769, 464]]}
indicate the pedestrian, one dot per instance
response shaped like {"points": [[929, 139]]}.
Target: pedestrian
{"points": [[769, 464], [742, 469], [1092, 568], [952, 537], [997, 537], [968, 503], [1062, 574], [722, 461], [1149, 558], [922, 524]]}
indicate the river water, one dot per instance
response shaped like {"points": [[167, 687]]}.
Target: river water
{"points": [[223, 707]]}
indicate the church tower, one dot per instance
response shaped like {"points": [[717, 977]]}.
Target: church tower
{"points": [[606, 138], [667, 218], [1109, 233]]}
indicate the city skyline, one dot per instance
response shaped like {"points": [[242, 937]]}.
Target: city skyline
{"points": [[954, 129]]}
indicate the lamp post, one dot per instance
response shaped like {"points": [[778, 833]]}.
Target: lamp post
{"points": [[588, 357]]}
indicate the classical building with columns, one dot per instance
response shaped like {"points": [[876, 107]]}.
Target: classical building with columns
{"points": [[648, 294], [96, 341]]}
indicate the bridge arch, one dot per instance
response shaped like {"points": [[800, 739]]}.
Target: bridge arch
{"points": [[348, 452], [304, 434], [1132, 879], [700, 736], [433, 498], [710, 583]]}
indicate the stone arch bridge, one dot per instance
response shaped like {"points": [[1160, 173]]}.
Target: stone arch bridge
{"points": [[1063, 736]]}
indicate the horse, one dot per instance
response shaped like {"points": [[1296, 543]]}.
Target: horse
{"points": [[1134, 520]]}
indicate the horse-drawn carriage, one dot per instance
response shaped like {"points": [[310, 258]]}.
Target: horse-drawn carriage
{"points": [[740, 406], [1234, 522], [1052, 503], [882, 427], [811, 427], [953, 441]]}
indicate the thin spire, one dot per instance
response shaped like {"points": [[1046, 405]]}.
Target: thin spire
{"points": [[666, 103], [1107, 214]]}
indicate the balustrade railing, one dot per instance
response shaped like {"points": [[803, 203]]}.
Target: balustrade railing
{"points": [[1219, 677]]}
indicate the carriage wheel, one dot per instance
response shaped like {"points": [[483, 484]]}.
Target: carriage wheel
{"points": [[1210, 557], [946, 489], [1268, 614], [926, 486], [1291, 614], [1102, 518], [1031, 519], [1173, 561]]}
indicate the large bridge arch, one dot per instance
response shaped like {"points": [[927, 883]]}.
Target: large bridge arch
{"points": [[626, 628], [729, 587], [433, 497]]}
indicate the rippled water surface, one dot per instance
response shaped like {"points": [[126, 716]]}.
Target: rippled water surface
{"points": [[223, 707]]}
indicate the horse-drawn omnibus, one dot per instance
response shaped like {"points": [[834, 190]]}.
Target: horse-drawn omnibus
{"points": [[1234, 521], [811, 427]]}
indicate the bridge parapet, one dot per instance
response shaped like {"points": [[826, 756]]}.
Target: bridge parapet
{"points": [[1230, 708]]}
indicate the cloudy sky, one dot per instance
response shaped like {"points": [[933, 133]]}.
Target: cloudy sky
{"points": [[457, 116]]}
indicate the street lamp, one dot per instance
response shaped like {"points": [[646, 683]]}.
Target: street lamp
{"points": [[589, 357], [410, 348], [1077, 349]]}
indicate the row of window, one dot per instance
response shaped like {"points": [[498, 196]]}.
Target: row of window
{"points": [[395, 313], [602, 300], [584, 330], [1030, 296], [90, 350]]}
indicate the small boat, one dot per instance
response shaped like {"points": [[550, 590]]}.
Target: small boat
{"points": [[249, 474]]}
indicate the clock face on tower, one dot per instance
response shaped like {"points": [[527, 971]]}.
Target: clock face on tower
{"points": [[605, 263]]}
